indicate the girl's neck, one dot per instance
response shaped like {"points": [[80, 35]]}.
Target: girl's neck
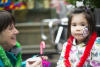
{"points": [[78, 42]]}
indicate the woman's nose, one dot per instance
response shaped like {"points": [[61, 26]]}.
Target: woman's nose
{"points": [[16, 31]]}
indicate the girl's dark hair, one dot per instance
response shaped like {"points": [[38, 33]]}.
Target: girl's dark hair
{"points": [[6, 19], [89, 17]]}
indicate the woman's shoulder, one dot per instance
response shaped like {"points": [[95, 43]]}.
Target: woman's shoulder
{"points": [[1, 63]]}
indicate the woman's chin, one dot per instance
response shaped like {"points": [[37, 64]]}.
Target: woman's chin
{"points": [[13, 44]]}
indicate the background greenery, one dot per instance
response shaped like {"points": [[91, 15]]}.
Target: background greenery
{"points": [[91, 3]]}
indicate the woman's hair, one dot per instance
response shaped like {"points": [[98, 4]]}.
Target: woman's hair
{"points": [[89, 17], [6, 19]]}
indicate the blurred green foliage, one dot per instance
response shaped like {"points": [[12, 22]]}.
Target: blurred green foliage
{"points": [[95, 3], [92, 3]]}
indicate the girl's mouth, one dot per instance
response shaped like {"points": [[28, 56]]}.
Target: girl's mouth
{"points": [[78, 34]]}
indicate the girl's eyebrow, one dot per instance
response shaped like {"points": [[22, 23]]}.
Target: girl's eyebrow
{"points": [[73, 23]]}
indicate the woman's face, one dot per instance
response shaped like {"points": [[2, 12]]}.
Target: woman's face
{"points": [[79, 25], [8, 37]]}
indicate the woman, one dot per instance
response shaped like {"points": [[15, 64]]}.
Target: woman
{"points": [[10, 50]]}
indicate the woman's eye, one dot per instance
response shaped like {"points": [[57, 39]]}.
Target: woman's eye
{"points": [[10, 28]]}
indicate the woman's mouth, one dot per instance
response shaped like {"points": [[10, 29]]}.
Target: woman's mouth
{"points": [[13, 38]]}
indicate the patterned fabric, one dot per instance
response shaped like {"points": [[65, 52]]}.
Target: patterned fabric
{"points": [[77, 51]]}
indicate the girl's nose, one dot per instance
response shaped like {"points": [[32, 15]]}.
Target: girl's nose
{"points": [[78, 28]]}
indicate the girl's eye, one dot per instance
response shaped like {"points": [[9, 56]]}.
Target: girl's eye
{"points": [[73, 24], [82, 24]]}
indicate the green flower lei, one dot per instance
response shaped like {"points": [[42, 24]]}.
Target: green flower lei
{"points": [[5, 59]]}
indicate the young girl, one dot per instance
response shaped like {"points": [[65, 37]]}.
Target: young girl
{"points": [[83, 46]]}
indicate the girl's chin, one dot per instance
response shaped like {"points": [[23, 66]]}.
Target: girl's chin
{"points": [[79, 39]]}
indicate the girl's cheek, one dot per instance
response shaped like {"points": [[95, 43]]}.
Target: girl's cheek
{"points": [[85, 31]]}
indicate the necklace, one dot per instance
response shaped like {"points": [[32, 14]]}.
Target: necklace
{"points": [[5, 59], [85, 54]]}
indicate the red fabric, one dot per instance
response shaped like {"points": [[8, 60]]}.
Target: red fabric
{"points": [[85, 54]]}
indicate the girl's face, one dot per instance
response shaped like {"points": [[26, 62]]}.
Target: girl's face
{"points": [[79, 25], [8, 37]]}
